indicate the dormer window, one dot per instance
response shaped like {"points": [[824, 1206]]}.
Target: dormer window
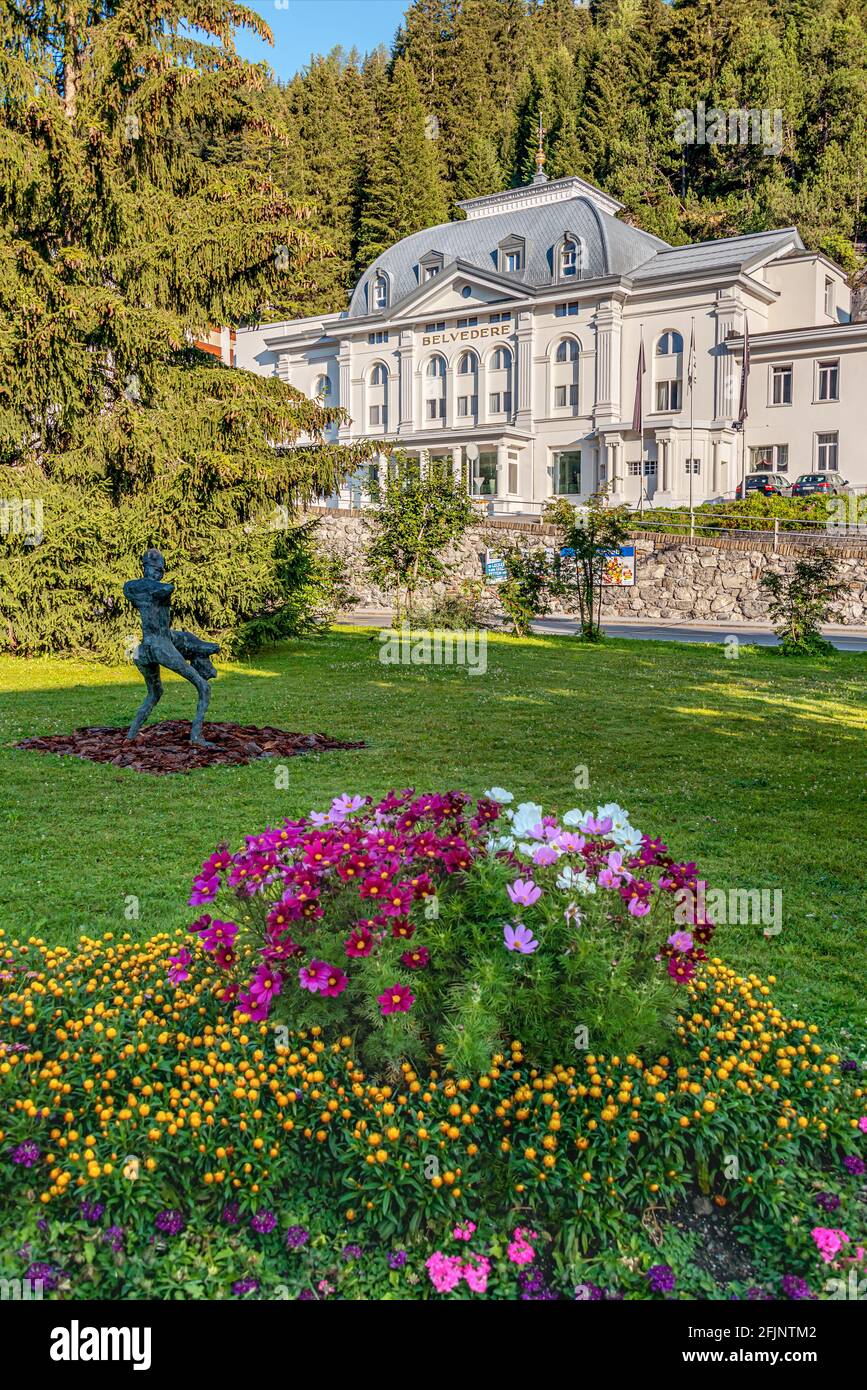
{"points": [[569, 258], [511, 255], [430, 265], [380, 291]]}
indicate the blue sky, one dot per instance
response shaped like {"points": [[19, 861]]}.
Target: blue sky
{"points": [[304, 27]]}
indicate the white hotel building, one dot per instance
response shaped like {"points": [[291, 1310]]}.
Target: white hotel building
{"points": [[506, 346]]}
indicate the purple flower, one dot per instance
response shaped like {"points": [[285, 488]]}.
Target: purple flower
{"points": [[114, 1237], [170, 1222], [296, 1236], [91, 1211], [828, 1201], [46, 1275], [854, 1165], [397, 1259], [231, 1214], [524, 892], [263, 1222], [660, 1278], [519, 938], [351, 1252], [245, 1285], [27, 1154], [681, 940], [794, 1286]]}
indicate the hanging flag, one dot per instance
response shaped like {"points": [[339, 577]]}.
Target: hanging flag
{"points": [[745, 373], [637, 413], [691, 367]]}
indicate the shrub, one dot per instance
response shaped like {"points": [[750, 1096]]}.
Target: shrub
{"points": [[419, 924], [587, 535], [800, 600], [524, 592], [460, 609]]}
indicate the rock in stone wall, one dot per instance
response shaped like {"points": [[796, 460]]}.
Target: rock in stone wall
{"points": [[705, 581]]}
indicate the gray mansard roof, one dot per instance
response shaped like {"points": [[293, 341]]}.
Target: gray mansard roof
{"points": [[725, 253], [609, 247]]}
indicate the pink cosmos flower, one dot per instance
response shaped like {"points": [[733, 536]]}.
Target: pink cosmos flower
{"points": [[264, 985], [862, 1124], [417, 959], [681, 940], [638, 907], [335, 982], [519, 938], [359, 942], [568, 841], [177, 971], [524, 892], [399, 999], [544, 856], [829, 1241], [314, 975]]}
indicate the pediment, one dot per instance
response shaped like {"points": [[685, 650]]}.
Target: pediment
{"points": [[447, 291]]}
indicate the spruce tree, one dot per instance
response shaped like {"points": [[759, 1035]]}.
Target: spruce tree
{"points": [[120, 246], [403, 191]]}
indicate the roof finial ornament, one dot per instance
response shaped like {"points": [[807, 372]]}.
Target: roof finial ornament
{"points": [[540, 176]]}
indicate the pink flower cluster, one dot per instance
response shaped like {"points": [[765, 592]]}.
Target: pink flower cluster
{"points": [[447, 1271], [385, 856], [830, 1243]]}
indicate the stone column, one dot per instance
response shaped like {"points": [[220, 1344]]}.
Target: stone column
{"points": [[502, 470], [406, 360], [608, 324], [344, 360], [524, 369], [729, 317]]}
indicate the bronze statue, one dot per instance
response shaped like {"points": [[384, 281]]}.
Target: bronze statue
{"points": [[162, 645]]}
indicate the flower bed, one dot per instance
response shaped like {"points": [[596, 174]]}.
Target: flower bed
{"points": [[426, 924], [155, 1144]]}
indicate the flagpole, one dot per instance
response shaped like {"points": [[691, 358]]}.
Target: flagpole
{"points": [[691, 425]]}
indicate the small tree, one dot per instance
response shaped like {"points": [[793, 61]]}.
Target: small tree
{"points": [[587, 536], [421, 511], [524, 592], [801, 600]]}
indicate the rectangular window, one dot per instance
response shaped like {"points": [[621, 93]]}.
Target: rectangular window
{"points": [[513, 473], [504, 317], [435, 327], [566, 395], [649, 468], [436, 409], [668, 395], [484, 474], [692, 466], [430, 271], [513, 262], [827, 452], [376, 412], [829, 381], [781, 385], [830, 298], [567, 471], [379, 337], [467, 323], [562, 311], [634, 468], [559, 396], [468, 405], [781, 454], [507, 402]]}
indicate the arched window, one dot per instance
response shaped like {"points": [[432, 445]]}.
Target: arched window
{"points": [[564, 376], [501, 360], [434, 392], [380, 291], [569, 258], [322, 388], [467, 403], [668, 371], [669, 344], [377, 397]]}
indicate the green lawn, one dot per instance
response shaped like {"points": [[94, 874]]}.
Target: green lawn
{"points": [[753, 767]]}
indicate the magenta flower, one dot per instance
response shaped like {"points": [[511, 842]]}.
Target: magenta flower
{"points": [[544, 856], [314, 975], [524, 892], [359, 942], [417, 959], [638, 907], [264, 985], [681, 941], [335, 982], [519, 938], [177, 971], [829, 1241], [397, 1000]]}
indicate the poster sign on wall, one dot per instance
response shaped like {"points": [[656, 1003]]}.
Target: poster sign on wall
{"points": [[495, 569], [618, 567]]}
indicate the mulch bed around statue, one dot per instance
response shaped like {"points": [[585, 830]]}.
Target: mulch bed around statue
{"points": [[166, 747]]}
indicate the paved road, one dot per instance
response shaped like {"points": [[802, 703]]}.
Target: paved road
{"points": [[846, 640]]}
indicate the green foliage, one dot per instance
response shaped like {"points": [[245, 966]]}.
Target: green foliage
{"points": [[589, 533], [524, 592], [800, 600], [419, 513], [127, 231]]}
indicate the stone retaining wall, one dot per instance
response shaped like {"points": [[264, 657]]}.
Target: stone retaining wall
{"points": [[709, 580]]}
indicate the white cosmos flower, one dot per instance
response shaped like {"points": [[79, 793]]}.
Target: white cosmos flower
{"points": [[574, 817], [629, 839], [618, 817], [526, 849], [498, 794], [570, 879], [526, 816], [501, 842]]}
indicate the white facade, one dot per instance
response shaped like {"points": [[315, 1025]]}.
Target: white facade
{"points": [[507, 345]]}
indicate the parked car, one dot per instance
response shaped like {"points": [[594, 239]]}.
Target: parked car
{"points": [[818, 482], [771, 484]]}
